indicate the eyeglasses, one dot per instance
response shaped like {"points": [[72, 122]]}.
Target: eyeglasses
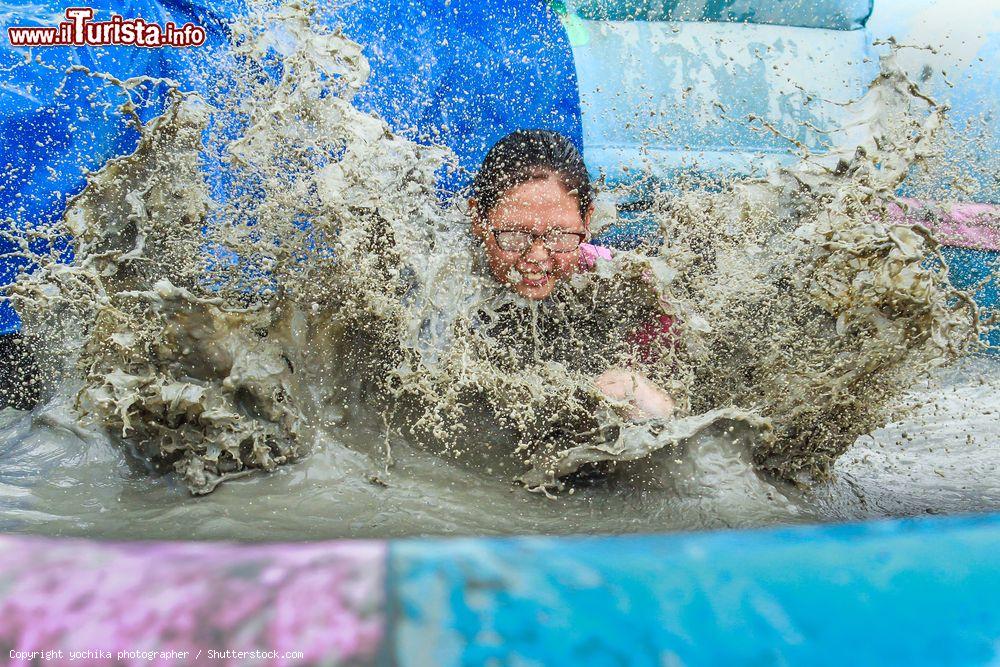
{"points": [[555, 240]]}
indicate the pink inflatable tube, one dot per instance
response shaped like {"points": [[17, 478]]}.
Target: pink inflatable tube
{"points": [[964, 225], [188, 603]]}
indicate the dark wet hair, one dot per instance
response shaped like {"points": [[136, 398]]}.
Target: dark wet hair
{"points": [[525, 155]]}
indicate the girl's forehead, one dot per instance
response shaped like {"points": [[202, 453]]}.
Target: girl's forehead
{"points": [[539, 203], [538, 217], [546, 188]]}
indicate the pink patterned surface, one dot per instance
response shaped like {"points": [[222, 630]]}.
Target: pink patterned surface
{"points": [[590, 253], [962, 225], [322, 600]]}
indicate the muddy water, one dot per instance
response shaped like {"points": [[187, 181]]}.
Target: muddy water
{"points": [[942, 457]]}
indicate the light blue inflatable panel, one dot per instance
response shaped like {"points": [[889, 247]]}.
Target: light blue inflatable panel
{"points": [[962, 70], [833, 14], [667, 98], [916, 592]]}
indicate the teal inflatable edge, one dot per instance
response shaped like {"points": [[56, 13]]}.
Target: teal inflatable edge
{"points": [[828, 14], [901, 592]]}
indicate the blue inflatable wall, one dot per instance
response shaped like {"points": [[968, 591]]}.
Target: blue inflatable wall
{"points": [[915, 592], [49, 140], [464, 73]]}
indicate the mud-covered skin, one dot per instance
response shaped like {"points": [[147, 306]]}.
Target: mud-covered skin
{"points": [[217, 336]]}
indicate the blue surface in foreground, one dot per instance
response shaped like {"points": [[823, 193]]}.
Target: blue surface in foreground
{"points": [[911, 592]]}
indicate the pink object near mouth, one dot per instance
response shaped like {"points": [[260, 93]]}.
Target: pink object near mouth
{"points": [[590, 254]]}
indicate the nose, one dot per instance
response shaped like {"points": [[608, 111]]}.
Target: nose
{"points": [[537, 252]]}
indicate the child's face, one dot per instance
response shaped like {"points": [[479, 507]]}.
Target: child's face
{"points": [[513, 234]]}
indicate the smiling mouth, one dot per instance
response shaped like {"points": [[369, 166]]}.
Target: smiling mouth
{"points": [[534, 279]]}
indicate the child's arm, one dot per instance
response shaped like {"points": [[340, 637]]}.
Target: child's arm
{"points": [[620, 384]]}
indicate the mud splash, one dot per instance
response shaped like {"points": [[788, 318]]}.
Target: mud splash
{"points": [[320, 285]]}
